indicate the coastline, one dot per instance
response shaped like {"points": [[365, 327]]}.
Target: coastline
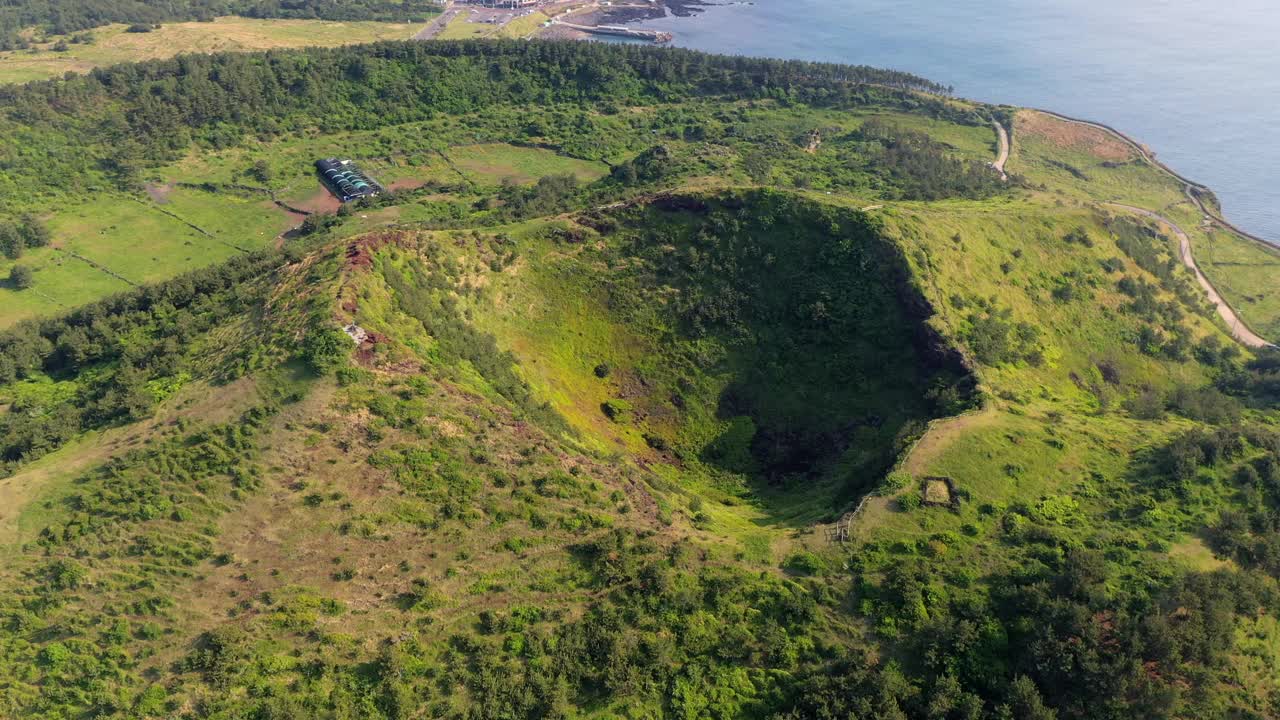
{"points": [[1235, 321], [1127, 73], [1192, 188], [1236, 325]]}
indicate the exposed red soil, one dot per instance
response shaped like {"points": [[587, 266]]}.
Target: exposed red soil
{"points": [[365, 353], [1075, 136], [360, 252]]}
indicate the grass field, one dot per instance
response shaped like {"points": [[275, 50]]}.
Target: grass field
{"points": [[111, 44], [1248, 276], [104, 244], [108, 243], [1086, 164], [493, 163]]}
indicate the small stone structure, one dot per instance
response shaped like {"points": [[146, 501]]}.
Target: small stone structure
{"points": [[939, 491]]}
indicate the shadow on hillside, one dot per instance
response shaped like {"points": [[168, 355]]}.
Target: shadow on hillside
{"points": [[800, 475]]}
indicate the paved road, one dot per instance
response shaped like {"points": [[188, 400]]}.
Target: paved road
{"points": [[1238, 329], [1003, 156], [435, 26]]}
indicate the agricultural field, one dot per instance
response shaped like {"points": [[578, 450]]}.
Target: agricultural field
{"points": [[709, 387], [112, 44]]}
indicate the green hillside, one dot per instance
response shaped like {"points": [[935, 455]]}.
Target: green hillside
{"points": [[657, 384]]}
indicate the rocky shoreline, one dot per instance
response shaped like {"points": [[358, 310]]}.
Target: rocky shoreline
{"points": [[632, 13]]}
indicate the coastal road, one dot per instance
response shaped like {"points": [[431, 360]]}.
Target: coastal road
{"points": [[1003, 156], [1239, 330]]}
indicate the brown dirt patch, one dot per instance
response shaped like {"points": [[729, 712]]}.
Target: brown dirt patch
{"points": [[406, 184], [159, 192], [1074, 136], [321, 201], [366, 352]]}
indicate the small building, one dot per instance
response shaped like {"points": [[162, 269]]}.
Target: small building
{"points": [[508, 4], [346, 180]]}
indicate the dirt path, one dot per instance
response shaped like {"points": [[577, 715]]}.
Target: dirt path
{"points": [[1003, 156], [1239, 330]]}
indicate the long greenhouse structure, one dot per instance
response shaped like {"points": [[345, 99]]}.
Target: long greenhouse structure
{"points": [[345, 180]]}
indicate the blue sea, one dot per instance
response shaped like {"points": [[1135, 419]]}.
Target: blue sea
{"points": [[1198, 83]]}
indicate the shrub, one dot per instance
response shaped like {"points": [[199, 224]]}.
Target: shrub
{"points": [[325, 348], [1079, 236], [318, 222], [348, 375], [1058, 509], [805, 563], [657, 442], [1147, 405], [894, 482], [617, 410], [20, 277]]}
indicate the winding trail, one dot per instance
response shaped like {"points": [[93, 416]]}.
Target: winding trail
{"points": [[1002, 156], [1238, 329]]}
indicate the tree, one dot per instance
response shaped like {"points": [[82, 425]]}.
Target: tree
{"points": [[757, 166], [318, 222], [261, 171], [33, 232], [20, 277], [1025, 703], [11, 242]]}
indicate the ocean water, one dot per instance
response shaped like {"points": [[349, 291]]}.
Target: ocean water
{"points": [[1199, 84]]}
